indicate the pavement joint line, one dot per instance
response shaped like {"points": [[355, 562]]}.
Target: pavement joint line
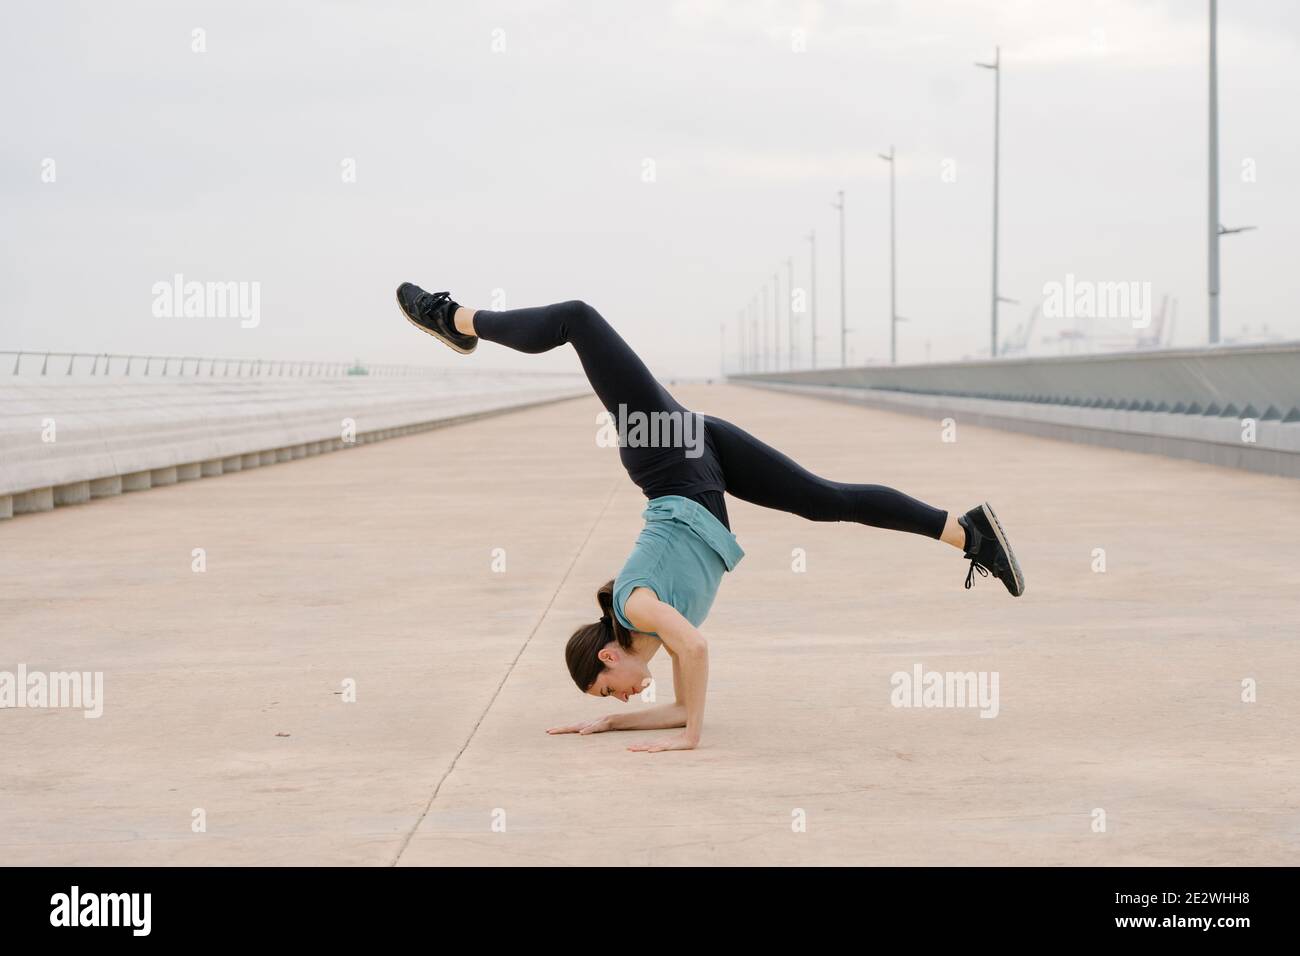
{"points": [[509, 670]]}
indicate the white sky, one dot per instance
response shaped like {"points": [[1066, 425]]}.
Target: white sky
{"points": [[522, 170]]}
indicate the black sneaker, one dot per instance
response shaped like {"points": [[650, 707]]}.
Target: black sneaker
{"points": [[434, 312], [989, 551]]}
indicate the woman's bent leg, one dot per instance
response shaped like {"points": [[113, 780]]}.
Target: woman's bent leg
{"points": [[760, 474]]}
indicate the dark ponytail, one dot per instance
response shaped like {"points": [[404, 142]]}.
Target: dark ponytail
{"points": [[588, 640]]}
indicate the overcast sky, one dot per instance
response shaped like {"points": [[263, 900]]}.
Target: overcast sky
{"points": [[504, 146]]}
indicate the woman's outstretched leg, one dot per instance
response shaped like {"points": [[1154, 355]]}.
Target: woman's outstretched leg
{"points": [[758, 473], [616, 373]]}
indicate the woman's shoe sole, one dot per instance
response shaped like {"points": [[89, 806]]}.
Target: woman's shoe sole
{"points": [[1006, 548]]}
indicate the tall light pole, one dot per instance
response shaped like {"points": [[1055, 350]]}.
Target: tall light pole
{"points": [[740, 342], [753, 333], [1214, 177], [776, 323], [1216, 228], [844, 328], [789, 305], [996, 67], [812, 301], [893, 272]]}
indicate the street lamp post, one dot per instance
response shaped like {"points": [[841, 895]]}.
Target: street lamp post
{"points": [[740, 342], [1216, 228], [1214, 177], [844, 328], [753, 334], [776, 323], [893, 272], [812, 301], [996, 67], [789, 305]]}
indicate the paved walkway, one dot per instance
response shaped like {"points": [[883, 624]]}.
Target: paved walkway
{"points": [[225, 691]]}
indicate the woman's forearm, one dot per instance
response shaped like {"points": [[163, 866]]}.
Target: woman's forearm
{"points": [[650, 718], [690, 653], [695, 677]]}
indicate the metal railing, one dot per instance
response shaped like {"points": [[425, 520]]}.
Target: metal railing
{"points": [[191, 366]]}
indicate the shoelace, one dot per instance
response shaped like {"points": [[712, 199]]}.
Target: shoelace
{"points": [[434, 299], [970, 575]]}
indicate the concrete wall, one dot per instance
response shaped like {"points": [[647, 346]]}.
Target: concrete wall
{"points": [[1228, 405], [66, 443], [1216, 440], [1261, 381]]}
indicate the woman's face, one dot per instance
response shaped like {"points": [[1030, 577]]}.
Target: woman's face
{"points": [[625, 675]]}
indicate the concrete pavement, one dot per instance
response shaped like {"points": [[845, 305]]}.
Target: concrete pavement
{"points": [[1121, 734]]}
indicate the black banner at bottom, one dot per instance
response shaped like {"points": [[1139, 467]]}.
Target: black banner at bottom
{"points": [[115, 905]]}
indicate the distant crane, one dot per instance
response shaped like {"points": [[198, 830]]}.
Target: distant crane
{"points": [[1157, 335], [1154, 336], [1018, 342]]}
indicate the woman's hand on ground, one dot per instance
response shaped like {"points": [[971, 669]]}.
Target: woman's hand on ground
{"points": [[597, 726], [678, 742]]}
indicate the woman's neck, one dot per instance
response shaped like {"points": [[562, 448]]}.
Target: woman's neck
{"points": [[645, 646]]}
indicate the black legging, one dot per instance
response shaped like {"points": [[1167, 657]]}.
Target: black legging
{"points": [[733, 460]]}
